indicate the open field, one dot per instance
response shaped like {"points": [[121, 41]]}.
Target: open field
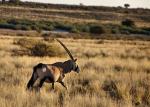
{"points": [[114, 73], [114, 58]]}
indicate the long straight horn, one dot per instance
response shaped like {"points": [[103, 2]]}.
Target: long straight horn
{"points": [[66, 49]]}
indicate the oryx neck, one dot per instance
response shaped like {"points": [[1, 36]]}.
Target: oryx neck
{"points": [[67, 66]]}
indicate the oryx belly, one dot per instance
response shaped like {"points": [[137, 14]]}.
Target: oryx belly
{"points": [[51, 73], [55, 72]]}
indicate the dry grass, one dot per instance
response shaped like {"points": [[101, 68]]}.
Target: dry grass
{"points": [[114, 73]]}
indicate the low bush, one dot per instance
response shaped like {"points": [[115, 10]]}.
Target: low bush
{"points": [[7, 26], [127, 27], [44, 49], [64, 26], [83, 27], [131, 30], [128, 22], [97, 29], [111, 89], [36, 48], [146, 29], [115, 31]]}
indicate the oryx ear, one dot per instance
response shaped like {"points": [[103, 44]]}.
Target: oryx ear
{"points": [[75, 60]]}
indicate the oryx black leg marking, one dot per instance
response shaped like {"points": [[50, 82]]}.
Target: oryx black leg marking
{"points": [[32, 80], [42, 81], [52, 81], [62, 83], [53, 85]]}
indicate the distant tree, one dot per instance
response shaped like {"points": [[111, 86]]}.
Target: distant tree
{"points": [[126, 5], [81, 4]]}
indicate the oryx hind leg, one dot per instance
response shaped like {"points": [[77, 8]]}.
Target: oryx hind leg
{"points": [[46, 79], [53, 85], [42, 81], [62, 83], [39, 83]]}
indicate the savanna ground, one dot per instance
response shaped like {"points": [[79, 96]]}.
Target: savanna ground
{"points": [[114, 73]]}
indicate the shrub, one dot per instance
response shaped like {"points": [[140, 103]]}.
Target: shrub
{"points": [[47, 37], [125, 30], [2, 21], [115, 31], [86, 29], [43, 49], [111, 88], [36, 48], [7, 26], [22, 27], [96, 29], [128, 30], [142, 31], [20, 22], [64, 26], [146, 29], [83, 28], [25, 43], [12, 21], [75, 30], [128, 22]]}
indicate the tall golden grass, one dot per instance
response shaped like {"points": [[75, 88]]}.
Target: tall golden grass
{"points": [[114, 73]]}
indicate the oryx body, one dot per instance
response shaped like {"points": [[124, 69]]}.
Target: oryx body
{"points": [[52, 73]]}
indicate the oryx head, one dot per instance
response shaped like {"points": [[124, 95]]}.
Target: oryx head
{"points": [[73, 61]]}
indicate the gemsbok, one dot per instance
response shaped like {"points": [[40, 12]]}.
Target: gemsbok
{"points": [[52, 73]]}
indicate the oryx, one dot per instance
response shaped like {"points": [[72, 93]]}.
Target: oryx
{"points": [[52, 73]]}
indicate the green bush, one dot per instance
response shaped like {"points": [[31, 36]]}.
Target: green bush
{"points": [[7, 26], [96, 29], [127, 30], [127, 26], [146, 29], [83, 28], [2, 21], [128, 22], [142, 31], [20, 22], [75, 30], [22, 27], [115, 31]]}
